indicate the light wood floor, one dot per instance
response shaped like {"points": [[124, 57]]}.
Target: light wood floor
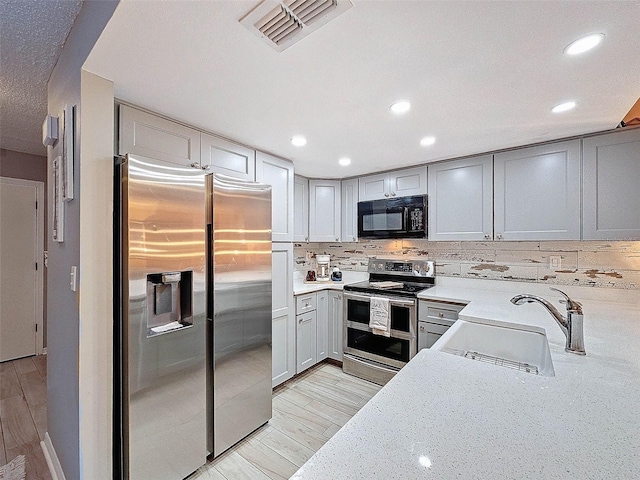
{"points": [[23, 413], [307, 411]]}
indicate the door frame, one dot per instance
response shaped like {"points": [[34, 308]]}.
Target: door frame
{"points": [[39, 186]]}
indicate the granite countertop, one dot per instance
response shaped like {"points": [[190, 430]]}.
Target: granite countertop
{"points": [[445, 417]]}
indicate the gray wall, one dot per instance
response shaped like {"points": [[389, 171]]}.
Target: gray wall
{"points": [[62, 304], [29, 167]]}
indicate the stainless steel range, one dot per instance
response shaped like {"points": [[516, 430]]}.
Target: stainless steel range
{"points": [[373, 351]]}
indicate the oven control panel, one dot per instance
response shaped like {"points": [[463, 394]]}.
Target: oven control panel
{"points": [[415, 268]]}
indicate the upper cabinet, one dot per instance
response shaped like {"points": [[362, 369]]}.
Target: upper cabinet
{"points": [[611, 186], [460, 199], [350, 210], [300, 209], [155, 137], [278, 173], [545, 177], [222, 156], [400, 183], [324, 210]]}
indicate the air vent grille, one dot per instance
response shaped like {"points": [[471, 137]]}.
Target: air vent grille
{"points": [[283, 23]]}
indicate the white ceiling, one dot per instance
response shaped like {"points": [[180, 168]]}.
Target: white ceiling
{"points": [[480, 76], [32, 34]]}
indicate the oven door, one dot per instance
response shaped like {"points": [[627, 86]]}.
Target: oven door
{"points": [[359, 339]]}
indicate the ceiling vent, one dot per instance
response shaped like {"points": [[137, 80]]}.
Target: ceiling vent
{"points": [[283, 23]]}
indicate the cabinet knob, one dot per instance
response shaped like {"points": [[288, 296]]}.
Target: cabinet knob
{"points": [[487, 236], [499, 236], [306, 239], [393, 194], [441, 315], [422, 329], [386, 194], [337, 239]]}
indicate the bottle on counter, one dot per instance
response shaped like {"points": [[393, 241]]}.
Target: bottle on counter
{"points": [[336, 275]]}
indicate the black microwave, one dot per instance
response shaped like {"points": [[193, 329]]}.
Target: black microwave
{"points": [[399, 217]]}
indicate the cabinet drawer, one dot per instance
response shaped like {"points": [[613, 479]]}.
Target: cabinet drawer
{"points": [[439, 312], [305, 303]]}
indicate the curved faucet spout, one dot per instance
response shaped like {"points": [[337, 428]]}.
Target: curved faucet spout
{"points": [[571, 326], [528, 298]]}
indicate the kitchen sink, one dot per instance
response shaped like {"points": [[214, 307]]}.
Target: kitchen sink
{"points": [[510, 345]]}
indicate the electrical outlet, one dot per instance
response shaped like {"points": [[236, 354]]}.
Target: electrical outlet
{"points": [[308, 255], [555, 261]]}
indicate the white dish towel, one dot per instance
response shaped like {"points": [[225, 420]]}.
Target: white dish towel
{"points": [[379, 316]]}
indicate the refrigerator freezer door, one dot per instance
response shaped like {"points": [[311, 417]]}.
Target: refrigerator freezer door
{"points": [[163, 344], [241, 252]]}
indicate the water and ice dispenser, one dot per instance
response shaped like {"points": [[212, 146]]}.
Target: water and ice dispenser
{"points": [[169, 302]]}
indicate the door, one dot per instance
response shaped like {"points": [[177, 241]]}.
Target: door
{"points": [[322, 326], [460, 199], [547, 177], [611, 197], [300, 209], [21, 246], [350, 210], [222, 156], [335, 325], [283, 337], [324, 210], [279, 174], [306, 341], [409, 182], [373, 187]]}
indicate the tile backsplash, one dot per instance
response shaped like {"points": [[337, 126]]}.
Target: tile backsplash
{"points": [[581, 263]]}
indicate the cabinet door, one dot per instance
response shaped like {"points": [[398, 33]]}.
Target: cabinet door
{"points": [[222, 156], [335, 325], [322, 326], [537, 193], [306, 341], [324, 210], [349, 231], [460, 199], [611, 186], [300, 209], [373, 187], [404, 183], [155, 137], [283, 315], [279, 174]]}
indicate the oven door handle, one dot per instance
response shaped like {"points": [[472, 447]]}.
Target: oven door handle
{"points": [[393, 300]]}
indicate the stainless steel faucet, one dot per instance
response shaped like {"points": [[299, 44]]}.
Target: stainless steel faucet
{"points": [[570, 326]]}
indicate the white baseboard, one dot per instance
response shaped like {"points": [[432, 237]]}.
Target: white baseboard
{"points": [[52, 459]]}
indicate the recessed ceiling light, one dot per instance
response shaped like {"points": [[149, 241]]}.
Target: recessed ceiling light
{"points": [[427, 141], [344, 161], [563, 107], [401, 106], [298, 140], [584, 44]]}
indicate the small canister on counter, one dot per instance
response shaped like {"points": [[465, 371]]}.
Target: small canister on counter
{"points": [[336, 275], [311, 276]]}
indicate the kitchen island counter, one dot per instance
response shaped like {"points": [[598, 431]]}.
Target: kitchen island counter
{"points": [[445, 417]]}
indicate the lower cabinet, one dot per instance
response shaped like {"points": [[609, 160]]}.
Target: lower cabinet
{"points": [[318, 328], [306, 341], [335, 325], [283, 332]]}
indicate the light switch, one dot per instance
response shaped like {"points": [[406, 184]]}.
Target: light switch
{"points": [[74, 278], [555, 261]]}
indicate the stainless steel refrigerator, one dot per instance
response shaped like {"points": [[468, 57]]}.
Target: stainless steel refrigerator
{"points": [[192, 297], [161, 356], [239, 222]]}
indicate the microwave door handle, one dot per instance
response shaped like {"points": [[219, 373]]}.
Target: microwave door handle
{"points": [[407, 227]]}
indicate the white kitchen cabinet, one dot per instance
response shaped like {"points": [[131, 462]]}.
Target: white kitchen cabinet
{"points": [[460, 199], [156, 137], [218, 155], [537, 193], [399, 183], [335, 325], [300, 209], [306, 346], [283, 333], [278, 173], [324, 210], [322, 326], [349, 231], [611, 186]]}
